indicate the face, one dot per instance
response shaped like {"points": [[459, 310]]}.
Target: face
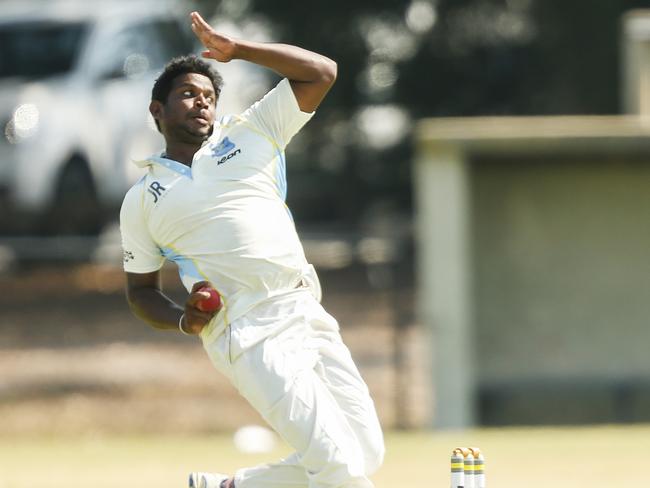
{"points": [[188, 114]]}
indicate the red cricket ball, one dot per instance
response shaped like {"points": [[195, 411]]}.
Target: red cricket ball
{"points": [[209, 304]]}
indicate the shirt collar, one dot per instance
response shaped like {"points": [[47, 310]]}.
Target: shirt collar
{"points": [[160, 160]]}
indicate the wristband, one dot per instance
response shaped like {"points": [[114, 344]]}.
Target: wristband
{"points": [[180, 325]]}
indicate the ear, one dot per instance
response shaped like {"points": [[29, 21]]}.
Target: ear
{"points": [[156, 110]]}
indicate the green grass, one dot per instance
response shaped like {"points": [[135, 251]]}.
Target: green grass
{"points": [[534, 458]]}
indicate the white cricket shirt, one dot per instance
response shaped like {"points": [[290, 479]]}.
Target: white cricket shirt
{"points": [[224, 219]]}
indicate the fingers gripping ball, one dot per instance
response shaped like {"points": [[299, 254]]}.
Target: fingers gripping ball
{"points": [[209, 304]]}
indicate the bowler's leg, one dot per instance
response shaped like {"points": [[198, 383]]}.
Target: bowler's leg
{"points": [[341, 376], [279, 379]]}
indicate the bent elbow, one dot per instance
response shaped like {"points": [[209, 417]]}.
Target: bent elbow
{"points": [[330, 71], [134, 300], [326, 70], [131, 300]]}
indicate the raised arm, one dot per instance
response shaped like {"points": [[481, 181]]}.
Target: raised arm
{"points": [[311, 75]]}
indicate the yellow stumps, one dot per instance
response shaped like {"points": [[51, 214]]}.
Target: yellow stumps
{"points": [[467, 468], [479, 468], [457, 469]]}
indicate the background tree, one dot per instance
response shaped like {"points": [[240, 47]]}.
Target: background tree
{"points": [[403, 60]]}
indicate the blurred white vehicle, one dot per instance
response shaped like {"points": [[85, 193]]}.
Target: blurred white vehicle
{"points": [[75, 84]]}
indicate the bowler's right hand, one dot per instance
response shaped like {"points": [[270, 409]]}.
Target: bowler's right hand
{"points": [[194, 319]]}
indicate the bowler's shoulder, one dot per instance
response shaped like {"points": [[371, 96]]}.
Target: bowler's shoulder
{"points": [[134, 194], [226, 122]]}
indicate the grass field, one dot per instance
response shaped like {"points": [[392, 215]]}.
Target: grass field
{"points": [[534, 458]]}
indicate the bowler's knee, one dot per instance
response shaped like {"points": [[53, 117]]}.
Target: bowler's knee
{"points": [[374, 455]]}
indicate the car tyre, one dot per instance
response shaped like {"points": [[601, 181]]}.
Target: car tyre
{"points": [[75, 209]]}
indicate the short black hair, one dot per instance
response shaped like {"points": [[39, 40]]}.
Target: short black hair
{"points": [[179, 66]]}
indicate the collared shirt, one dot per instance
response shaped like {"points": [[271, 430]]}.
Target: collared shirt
{"points": [[224, 219]]}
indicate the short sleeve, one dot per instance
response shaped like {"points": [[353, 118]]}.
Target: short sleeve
{"points": [[141, 254], [278, 114]]}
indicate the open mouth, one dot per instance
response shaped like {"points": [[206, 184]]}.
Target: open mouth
{"points": [[201, 120]]}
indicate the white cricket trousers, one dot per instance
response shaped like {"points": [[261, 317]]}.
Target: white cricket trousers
{"points": [[286, 357]]}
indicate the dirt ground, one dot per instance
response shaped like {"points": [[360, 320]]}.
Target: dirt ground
{"points": [[73, 358]]}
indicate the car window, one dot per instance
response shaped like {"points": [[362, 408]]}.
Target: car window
{"points": [[143, 47], [39, 49], [173, 40]]}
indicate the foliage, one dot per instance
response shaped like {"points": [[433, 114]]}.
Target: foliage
{"points": [[433, 58]]}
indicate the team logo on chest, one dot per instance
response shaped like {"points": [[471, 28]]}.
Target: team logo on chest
{"points": [[224, 150]]}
